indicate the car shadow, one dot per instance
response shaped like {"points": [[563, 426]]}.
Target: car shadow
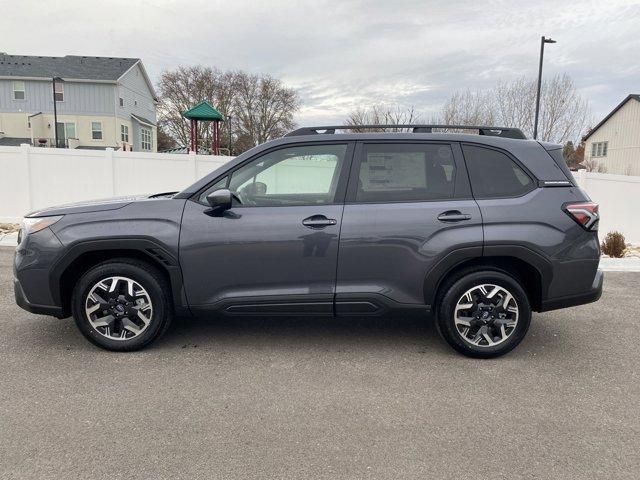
{"points": [[309, 332], [362, 335]]}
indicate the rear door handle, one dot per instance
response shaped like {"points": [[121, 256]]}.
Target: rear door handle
{"points": [[453, 216], [318, 221]]}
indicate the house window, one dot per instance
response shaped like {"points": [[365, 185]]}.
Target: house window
{"points": [[59, 92], [121, 102], [18, 91], [599, 149], [124, 133], [145, 138], [96, 130]]}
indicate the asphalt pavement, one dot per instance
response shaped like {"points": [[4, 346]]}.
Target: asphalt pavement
{"points": [[307, 398]]}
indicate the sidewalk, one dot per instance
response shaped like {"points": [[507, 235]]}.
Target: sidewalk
{"points": [[8, 239], [627, 264]]}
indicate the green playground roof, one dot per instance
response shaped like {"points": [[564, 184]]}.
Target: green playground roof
{"points": [[204, 111]]}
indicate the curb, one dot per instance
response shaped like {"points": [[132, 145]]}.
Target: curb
{"points": [[628, 264], [9, 239]]}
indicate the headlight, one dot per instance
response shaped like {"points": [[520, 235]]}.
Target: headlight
{"points": [[35, 224]]}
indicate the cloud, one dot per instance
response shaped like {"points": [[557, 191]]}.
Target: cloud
{"points": [[344, 55]]}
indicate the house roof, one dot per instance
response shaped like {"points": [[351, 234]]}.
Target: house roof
{"points": [[69, 67], [142, 120], [204, 111], [635, 96]]}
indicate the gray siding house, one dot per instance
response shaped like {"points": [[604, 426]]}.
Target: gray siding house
{"points": [[101, 102]]}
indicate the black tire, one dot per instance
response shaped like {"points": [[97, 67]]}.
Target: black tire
{"points": [[452, 291], [145, 275]]}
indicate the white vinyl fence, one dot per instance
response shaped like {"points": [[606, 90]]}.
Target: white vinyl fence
{"points": [[617, 196], [32, 178]]}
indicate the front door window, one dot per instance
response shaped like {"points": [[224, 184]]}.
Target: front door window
{"points": [[306, 175]]}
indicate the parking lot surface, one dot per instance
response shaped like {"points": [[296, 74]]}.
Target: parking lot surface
{"points": [[297, 398]]}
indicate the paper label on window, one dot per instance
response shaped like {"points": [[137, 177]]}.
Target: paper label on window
{"points": [[389, 171]]}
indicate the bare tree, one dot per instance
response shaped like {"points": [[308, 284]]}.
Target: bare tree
{"points": [[563, 112], [467, 108], [184, 87], [261, 107], [165, 141], [592, 165], [382, 115]]}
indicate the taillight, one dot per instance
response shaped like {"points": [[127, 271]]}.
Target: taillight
{"points": [[586, 214]]}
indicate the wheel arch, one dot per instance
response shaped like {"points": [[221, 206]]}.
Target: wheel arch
{"points": [[83, 255], [532, 270]]}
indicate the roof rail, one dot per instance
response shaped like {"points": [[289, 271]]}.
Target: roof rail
{"points": [[505, 132]]}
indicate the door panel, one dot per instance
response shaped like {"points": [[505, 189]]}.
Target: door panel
{"points": [[408, 206], [274, 252], [388, 249], [251, 253]]}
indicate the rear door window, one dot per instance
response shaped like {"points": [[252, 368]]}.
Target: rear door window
{"points": [[494, 175], [398, 172]]}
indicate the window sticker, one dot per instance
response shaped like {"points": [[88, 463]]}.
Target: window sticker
{"points": [[393, 171]]}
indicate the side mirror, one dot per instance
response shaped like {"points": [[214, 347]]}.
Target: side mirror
{"points": [[220, 199]]}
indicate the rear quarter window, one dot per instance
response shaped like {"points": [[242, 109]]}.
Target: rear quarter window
{"points": [[494, 174]]}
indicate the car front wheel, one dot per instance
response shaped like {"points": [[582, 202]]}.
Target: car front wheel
{"points": [[122, 304]]}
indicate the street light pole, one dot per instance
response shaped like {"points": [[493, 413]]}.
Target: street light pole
{"points": [[543, 40]]}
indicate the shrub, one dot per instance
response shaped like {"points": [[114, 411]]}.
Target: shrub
{"points": [[613, 244]]}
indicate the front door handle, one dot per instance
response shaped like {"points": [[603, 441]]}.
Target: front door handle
{"points": [[318, 221], [453, 216]]}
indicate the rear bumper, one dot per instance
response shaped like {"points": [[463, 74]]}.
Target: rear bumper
{"points": [[23, 302], [591, 295]]}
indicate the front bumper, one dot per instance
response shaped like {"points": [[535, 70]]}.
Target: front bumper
{"points": [[591, 295], [23, 302], [32, 264]]}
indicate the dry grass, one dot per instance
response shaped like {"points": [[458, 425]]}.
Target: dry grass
{"points": [[632, 251], [9, 228]]}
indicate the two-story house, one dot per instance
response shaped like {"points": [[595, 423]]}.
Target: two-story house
{"points": [[100, 102], [614, 143]]}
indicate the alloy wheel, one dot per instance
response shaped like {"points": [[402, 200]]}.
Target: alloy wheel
{"points": [[118, 308], [486, 315]]}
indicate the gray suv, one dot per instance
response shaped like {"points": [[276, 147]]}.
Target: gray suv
{"points": [[478, 230]]}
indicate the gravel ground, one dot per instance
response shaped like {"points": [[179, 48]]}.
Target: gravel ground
{"points": [[332, 399]]}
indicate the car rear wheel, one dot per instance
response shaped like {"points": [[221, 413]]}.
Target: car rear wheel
{"points": [[483, 313], [122, 304]]}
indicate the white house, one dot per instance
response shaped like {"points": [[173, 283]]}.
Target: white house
{"points": [[615, 141], [101, 102]]}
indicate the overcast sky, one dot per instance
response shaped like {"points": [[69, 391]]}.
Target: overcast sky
{"points": [[342, 54]]}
